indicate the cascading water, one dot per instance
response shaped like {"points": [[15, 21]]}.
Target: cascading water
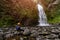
{"points": [[42, 16]]}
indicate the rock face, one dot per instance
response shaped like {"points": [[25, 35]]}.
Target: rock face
{"points": [[31, 33], [1, 34]]}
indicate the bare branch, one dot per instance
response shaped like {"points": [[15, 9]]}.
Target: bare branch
{"points": [[55, 2]]}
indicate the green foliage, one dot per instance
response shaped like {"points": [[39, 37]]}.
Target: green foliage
{"points": [[6, 20], [55, 20], [54, 14]]}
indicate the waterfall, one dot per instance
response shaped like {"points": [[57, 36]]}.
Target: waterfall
{"points": [[42, 16]]}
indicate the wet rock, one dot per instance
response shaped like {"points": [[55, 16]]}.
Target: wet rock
{"points": [[52, 36], [1, 38], [1, 35], [57, 39], [13, 39], [8, 35], [44, 33], [55, 31], [38, 38], [22, 27], [39, 30], [40, 33], [1, 30], [15, 32], [34, 33], [47, 39], [21, 38], [26, 32]]}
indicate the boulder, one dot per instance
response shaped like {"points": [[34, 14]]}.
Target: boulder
{"points": [[26, 32]]}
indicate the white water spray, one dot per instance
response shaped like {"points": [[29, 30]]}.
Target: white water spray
{"points": [[42, 16]]}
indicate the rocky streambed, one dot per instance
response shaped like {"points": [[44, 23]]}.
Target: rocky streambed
{"points": [[30, 33]]}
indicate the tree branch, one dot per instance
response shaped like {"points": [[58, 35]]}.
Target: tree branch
{"points": [[54, 2]]}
